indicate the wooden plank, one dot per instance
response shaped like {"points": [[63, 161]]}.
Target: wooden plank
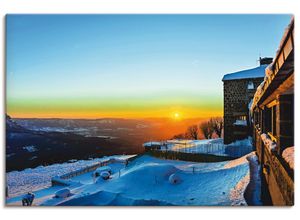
{"points": [[272, 103]]}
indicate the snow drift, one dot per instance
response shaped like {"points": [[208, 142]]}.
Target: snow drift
{"points": [[146, 181]]}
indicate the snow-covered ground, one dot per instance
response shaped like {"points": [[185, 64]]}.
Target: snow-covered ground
{"points": [[30, 148], [20, 182], [206, 146], [144, 181]]}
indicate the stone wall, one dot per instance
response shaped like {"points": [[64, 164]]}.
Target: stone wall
{"points": [[236, 99]]}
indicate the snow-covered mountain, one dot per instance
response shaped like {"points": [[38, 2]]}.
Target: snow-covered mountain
{"points": [[12, 125]]}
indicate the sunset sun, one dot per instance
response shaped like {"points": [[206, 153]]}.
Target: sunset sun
{"points": [[176, 116]]}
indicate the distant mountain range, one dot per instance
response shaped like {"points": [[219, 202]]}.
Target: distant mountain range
{"points": [[28, 147], [34, 142], [11, 125]]}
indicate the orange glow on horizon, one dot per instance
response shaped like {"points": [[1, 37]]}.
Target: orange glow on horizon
{"points": [[174, 115]]}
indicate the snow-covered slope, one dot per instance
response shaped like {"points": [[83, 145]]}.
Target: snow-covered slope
{"points": [[146, 181], [20, 182], [11, 125]]}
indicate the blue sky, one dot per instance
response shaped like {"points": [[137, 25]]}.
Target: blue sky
{"points": [[117, 57]]}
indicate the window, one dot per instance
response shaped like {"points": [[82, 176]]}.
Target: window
{"points": [[250, 85], [273, 130], [270, 119], [241, 117], [241, 120]]}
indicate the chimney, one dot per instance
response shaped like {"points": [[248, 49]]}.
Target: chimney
{"points": [[265, 60]]}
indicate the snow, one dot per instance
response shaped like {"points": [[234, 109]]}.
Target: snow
{"points": [[63, 193], [146, 182], [271, 145], [240, 122], [239, 148], [257, 95], [247, 74], [30, 148], [253, 191], [250, 104], [102, 169], [105, 175], [288, 156], [174, 178], [20, 182]]}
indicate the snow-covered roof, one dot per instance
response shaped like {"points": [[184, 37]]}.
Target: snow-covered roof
{"points": [[256, 72], [270, 71]]}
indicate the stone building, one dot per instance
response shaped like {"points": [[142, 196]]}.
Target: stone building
{"points": [[239, 89], [273, 124]]}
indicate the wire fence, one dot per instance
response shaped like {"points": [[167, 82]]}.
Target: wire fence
{"points": [[215, 147]]}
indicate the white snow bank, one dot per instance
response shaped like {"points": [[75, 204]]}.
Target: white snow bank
{"points": [[28, 180], [288, 156], [238, 190], [99, 170], [63, 193], [271, 145], [145, 181], [105, 175], [174, 178]]}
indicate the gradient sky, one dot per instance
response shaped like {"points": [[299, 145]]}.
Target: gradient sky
{"points": [[135, 66]]}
